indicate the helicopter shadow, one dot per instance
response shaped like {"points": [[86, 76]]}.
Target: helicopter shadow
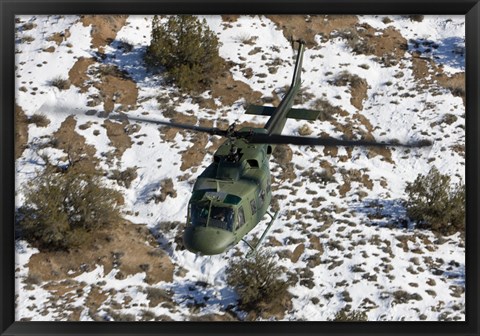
{"points": [[202, 296], [158, 231], [147, 193], [131, 60], [449, 51], [385, 213]]}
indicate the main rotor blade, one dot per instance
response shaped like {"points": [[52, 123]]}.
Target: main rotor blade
{"points": [[209, 130], [295, 140]]}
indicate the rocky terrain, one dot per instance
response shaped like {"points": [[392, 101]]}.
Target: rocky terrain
{"points": [[342, 237]]}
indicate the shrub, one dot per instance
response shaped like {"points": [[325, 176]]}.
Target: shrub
{"points": [[345, 77], [416, 17], [188, 50], [27, 38], [29, 26], [63, 209], [358, 44], [40, 120], [387, 20], [256, 281], [327, 110], [343, 315], [245, 38], [125, 178], [435, 205], [60, 83], [125, 45], [304, 130]]}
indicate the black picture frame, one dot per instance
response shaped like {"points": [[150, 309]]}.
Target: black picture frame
{"points": [[10, 8]]}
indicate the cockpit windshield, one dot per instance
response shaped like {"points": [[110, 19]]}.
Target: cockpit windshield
{"points": [[199, 214], [220, 217]]}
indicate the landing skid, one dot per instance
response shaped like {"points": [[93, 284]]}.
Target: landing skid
{"points": [[254, 249]]}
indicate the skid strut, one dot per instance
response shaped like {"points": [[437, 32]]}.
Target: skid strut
{"points": [[254, 249]]}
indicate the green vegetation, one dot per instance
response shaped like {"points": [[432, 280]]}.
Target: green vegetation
{"points": [[257, 282], [187, 49], [345, 315], [435, 205], [64, 208]]}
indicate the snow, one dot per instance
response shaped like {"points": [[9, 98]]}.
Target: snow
{"points": [[366, 244]]}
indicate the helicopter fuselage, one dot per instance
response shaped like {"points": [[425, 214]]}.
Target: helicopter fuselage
{"points": [[230, 197]]}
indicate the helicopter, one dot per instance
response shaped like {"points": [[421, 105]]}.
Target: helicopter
{"points": [[233, 194]]}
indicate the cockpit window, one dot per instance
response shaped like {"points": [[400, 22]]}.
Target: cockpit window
{"points": [[221, 217], [199, 214]]}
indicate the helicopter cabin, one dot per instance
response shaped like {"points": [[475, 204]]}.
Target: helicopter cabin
{"points": [[234, 192]]}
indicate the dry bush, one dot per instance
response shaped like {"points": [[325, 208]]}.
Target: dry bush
{"points": [[125, 177], [416, 17], [435, 205], [304, 130], [326, 109], [111, 70], [166, 189], [27, 39], [29, 26], [345, 77], [355, 41], [60, 83], [401, 296], [256, 281], [245, 38], [157, 295], [63, 209], [387, 20], [40, 120]]}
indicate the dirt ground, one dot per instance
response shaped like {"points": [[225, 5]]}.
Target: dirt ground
{"points": [[21, 131], [77, 152], [129, 248], [104, 28]]}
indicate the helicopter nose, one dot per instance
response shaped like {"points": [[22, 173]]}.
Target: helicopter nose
{"points": [[207, 241]]}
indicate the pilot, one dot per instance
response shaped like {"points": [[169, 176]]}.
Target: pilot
{"points": [[220, 215], [233, 156]]}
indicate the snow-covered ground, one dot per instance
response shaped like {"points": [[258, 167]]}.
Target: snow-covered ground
{"points": [[365, 259]]}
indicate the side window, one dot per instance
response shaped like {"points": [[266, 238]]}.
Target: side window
{"points": [[253, 206], [262, 197], [241, 217]]}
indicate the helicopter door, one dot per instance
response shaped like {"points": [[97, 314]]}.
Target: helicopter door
{"points": [[240, 218]]}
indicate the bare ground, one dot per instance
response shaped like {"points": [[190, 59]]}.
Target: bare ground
{"points": [[118, 137], [78, 73], [116, 89], [127, 247], [77, 151], [104, 28], [21, 131], [229, 90], [307, 26]]}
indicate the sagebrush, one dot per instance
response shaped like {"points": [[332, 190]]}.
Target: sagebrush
{"points": [[187, 49], [63, 208], [434, 203], [257, 281]]}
